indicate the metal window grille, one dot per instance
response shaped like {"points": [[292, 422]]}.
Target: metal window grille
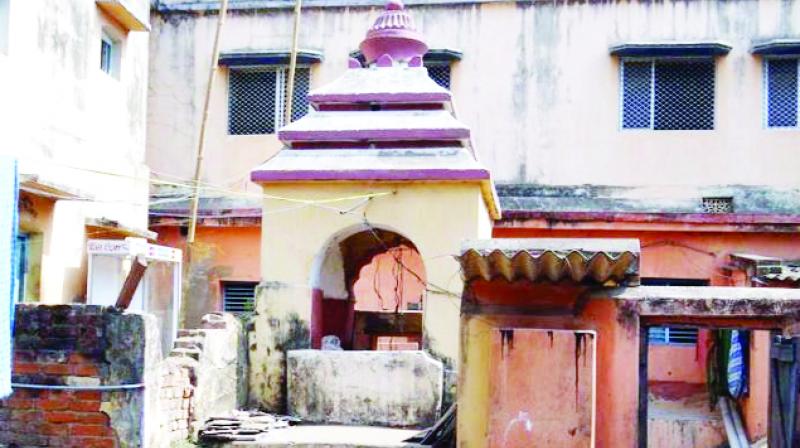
{"points": [[440, 73], [781, 87], [669, 94], [718, 205], [238, 297], [672, 335], [257, 99]]}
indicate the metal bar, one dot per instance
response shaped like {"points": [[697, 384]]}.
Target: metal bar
{"points": [[198, 169], [78, 388]]}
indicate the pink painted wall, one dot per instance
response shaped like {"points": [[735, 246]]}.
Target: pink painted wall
{"points": [[220, 254], [380, 282], [530, 405]]}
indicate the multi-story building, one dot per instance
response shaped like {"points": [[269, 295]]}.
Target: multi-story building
{"points": [[674, 123], [73, 78]]}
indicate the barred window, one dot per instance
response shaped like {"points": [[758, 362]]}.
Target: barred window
{"points": [[238, 297], [667, 94], [672, 335], [440, 73], [257, 98], [781, 87]]}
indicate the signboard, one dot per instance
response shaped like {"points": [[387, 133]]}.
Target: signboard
{"points": [[8, 276]]}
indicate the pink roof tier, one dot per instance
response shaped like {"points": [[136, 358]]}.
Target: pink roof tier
{"points": [[385, 122]]}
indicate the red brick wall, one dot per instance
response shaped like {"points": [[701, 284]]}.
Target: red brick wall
{"points": [[63, 345], [56, 419]]}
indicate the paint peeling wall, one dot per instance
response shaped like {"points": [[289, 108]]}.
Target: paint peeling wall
{"points": [[536, 85], [67, 121]]}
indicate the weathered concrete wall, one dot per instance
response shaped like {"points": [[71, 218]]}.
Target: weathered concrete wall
{"points": [[402, 389], [76, 346], [75, 127], [536, 85]]}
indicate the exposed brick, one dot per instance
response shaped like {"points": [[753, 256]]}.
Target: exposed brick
{"points": [[97, 418], [26, 368], [84, 406], [89, 430], [54, 405], [88, 395], [20, 403], [62, 417], [52, 429], [106, 442], [56, 369], [85, 370]]}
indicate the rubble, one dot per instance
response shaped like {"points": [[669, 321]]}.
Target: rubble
{"points": [[243, 426]]}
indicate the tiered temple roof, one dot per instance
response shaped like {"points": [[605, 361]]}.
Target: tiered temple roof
{"points": [[386, 121]]}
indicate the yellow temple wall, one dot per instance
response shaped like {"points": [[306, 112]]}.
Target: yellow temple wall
{"points": [[435, 217]]}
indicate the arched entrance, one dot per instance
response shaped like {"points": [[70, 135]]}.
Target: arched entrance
{"points": [[369, 291]]}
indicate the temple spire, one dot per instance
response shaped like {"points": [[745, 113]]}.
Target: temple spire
{"points": [[394, 38]]}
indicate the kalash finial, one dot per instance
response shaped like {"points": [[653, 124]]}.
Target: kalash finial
{"points": [[394, 38]]}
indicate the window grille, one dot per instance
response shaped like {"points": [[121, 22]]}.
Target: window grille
{"points": [[672, 335], [440, 73], [781, 88], [238, 297], [718, 205], [257, 99], [668, 94]]}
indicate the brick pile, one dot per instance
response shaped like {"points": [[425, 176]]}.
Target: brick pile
{"points": [[175, 398]]}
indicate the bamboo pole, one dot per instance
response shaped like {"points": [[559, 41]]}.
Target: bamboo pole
{"points": [[298, 4], [212, 76]]}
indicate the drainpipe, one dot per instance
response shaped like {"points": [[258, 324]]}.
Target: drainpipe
{"points": [[298, 4]]}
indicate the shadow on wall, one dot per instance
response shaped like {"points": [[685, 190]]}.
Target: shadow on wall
{"points": [[201, 283]]}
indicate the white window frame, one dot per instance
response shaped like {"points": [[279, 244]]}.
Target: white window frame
{"points": [[652, 61], [281, 75], [667, 340], [765, 96], [116, 54]]}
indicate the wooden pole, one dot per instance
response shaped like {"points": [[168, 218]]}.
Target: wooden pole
{"points": [[138, 266], [298, 4], [198, 167]]}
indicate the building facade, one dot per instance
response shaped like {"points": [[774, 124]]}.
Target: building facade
{"points": [[74, 82], [672, 123]]}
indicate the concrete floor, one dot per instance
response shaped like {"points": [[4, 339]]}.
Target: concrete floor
{"points": [[308, 436]]}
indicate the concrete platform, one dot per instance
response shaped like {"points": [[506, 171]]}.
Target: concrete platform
{"points": [[312, 436]]}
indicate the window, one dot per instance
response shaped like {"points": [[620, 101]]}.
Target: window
{"points": [[781, 88], [257, 98], [440, 73], [672, 335], [20, 260], [109, 55], [667, 94], [238, 297], [718, 205]]}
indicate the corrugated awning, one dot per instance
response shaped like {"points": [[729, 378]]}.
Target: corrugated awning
{"points": [[598, 261], [769, 268], [670, 49]]}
